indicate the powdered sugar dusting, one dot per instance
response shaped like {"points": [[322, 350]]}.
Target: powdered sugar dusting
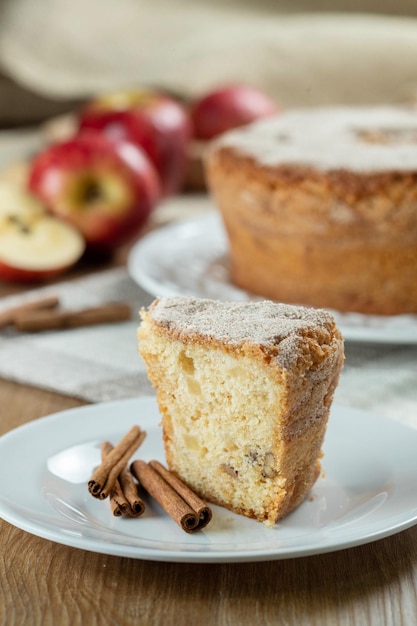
{"points": [[267, 324], [362, 139]]}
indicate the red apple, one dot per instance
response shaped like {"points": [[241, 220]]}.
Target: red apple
{"points": [[150, 119], [34, 245], [229, 107], [105, 189]]}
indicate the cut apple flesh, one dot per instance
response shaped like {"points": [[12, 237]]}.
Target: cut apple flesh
{"points": [[38, 242]]}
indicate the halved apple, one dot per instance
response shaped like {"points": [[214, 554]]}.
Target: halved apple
{"points": [[34, 246]]}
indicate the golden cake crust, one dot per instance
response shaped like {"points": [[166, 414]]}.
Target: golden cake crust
{"points": [[244, 390], [301, 231]]}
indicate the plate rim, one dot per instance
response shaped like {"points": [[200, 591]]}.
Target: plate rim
{"points": [[360, 332], [409, 516]]}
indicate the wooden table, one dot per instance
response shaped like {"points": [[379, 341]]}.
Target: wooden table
{"points": [[43, 583]]}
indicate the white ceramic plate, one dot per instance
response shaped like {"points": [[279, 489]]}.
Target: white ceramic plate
{"points": [[368, 490], [190, 258]]}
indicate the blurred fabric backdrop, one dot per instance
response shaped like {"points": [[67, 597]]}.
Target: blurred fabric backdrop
{"points": [[54, 53]]}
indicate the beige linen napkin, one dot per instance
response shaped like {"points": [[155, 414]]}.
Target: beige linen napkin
{"points": [[70, 48], [101, 363], [93, 363]]}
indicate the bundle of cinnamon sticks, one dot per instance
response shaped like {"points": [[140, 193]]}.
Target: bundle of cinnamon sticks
{"points": [[114, 479], [46, 314]]}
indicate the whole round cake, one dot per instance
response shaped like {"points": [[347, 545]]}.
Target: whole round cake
{"points": [[320, 207]]}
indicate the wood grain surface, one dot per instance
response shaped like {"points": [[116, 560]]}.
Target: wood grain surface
{"points": [[47, 584], [43, 583]]}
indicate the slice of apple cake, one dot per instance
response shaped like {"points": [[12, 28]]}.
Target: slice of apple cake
{"points": [[244, 390]]}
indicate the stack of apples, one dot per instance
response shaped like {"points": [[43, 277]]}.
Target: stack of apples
{"points": [[95, 191]]}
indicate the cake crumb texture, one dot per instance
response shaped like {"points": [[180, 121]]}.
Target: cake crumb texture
{"points": [[244, 391]]}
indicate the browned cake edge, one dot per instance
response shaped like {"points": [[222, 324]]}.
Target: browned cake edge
{"points": [[319, 353], [334, 239]]}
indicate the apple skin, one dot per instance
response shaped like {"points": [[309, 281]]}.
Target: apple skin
{"points": [[34, 246], [11, 274], [154, 121], [105, 189], [228, 107]]}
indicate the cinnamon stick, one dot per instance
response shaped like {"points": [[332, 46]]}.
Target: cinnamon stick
{"points": [[104, 477], [192, 499], [124, 497], [130, 492], [118, 503], [177, 506], [9, 315], [38, 320]]}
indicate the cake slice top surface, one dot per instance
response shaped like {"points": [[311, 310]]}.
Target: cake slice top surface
{"points": [[278, 329], [362, 139]]}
